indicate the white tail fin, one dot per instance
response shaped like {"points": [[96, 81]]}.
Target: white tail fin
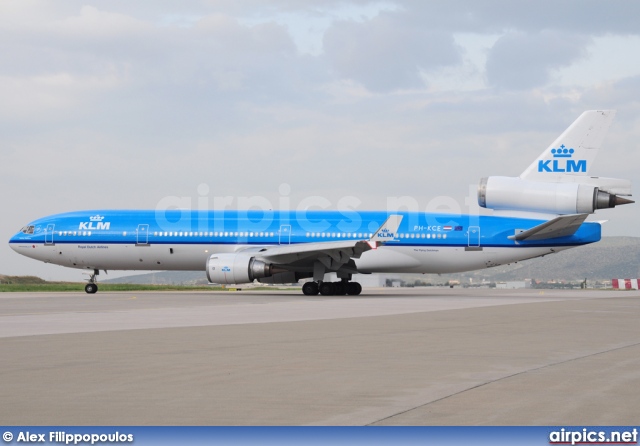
{"points": [[574, 151]]}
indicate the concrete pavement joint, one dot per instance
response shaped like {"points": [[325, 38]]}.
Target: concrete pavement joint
{"points": [[502, 379]]}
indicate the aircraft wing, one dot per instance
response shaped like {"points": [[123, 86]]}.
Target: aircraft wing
{"points": [[331, 252], [558, 227], [340, 252]]}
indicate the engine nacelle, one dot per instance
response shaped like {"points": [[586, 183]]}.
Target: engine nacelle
{"points": [[512, 193], [232, 268]]}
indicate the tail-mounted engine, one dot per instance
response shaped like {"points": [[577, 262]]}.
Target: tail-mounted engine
{"points": [[512, 193]]}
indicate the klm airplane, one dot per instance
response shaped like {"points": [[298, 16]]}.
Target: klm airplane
{"points": [[542, 211]]}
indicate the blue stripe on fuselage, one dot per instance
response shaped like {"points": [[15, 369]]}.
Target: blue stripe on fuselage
{"points": [[274, 227]]}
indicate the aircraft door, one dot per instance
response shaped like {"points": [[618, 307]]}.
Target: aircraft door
{"points": [[284, 235], [474, 236], [142, 235], [48, 234]]}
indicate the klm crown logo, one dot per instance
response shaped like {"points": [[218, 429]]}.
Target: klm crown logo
{"points": [[385, 233], [95, 223], [562, 152], [557, 164]]}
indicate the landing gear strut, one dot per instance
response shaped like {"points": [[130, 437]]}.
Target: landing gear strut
{"points": [[92, 286], [332, 288]]}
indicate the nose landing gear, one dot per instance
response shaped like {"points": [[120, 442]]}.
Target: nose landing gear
{"points": [[92, 286]]}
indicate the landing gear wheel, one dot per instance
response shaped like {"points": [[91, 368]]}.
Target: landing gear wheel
{"points": [[354, 288], [326, 289], [339, 288], [310, 289], [92, 286]]}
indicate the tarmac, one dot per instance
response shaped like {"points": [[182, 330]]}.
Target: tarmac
{"points": [[387, 357]]}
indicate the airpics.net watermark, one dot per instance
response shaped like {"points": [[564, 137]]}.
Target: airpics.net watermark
{"points": [[261, 212], [593, 436]]}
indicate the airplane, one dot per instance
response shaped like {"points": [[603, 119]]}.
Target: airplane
{"points": [[540, 212]]}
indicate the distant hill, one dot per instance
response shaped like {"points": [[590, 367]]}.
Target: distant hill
{"points": [[610, 258], [21, 280]]}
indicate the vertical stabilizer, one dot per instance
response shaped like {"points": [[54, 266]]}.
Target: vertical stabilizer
{"points": [[573, 152]]}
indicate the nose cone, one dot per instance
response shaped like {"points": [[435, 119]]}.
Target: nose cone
{"points": [[19, 242], [13, 243]]}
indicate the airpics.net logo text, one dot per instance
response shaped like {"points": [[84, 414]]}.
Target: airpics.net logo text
{"points": [[438, 214], [592, 436]]}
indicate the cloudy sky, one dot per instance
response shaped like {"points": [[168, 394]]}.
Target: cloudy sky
{"points": [[123, 104]]}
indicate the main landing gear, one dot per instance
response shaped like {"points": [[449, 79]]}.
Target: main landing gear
{"points": [[332, 288], [92, 286]]}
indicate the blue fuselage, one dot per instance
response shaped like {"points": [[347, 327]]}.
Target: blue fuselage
{"points": [[176, 227]]}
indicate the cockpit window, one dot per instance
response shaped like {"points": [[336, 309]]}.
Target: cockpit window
{"points": [[27, 230]]}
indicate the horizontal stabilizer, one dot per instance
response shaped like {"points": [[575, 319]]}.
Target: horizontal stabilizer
{"points": [[613, 186], [562, 226]]}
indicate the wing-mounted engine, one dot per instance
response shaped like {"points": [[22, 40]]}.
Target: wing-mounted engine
{"points": [[232, 268], [514, 193]]}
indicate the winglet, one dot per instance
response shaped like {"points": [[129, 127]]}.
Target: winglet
{"points": [[387, 232]]}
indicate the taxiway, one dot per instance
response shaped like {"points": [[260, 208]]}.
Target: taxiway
{"points": [[388, 357]]}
